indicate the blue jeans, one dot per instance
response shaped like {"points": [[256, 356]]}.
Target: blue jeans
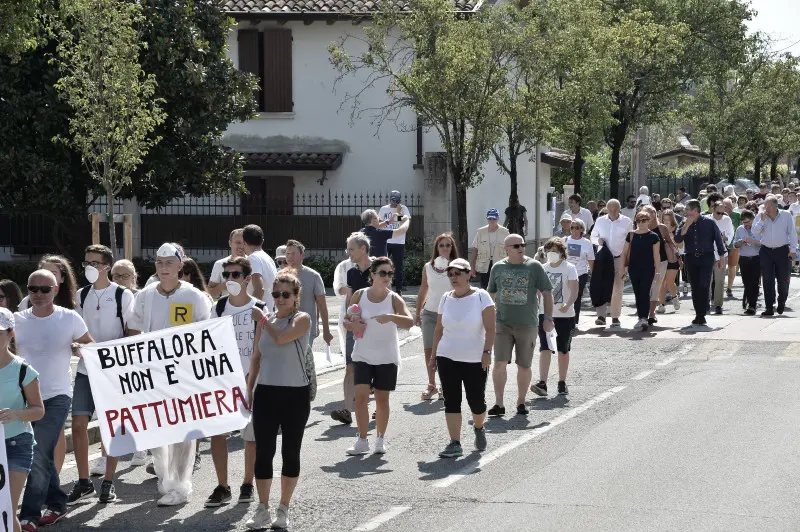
{"points": [[43, 487]]}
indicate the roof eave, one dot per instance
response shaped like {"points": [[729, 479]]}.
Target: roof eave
{"points": [[320, 15]]}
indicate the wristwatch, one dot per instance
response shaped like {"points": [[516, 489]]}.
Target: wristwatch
{"points": [[548, 318], [487, 351]]}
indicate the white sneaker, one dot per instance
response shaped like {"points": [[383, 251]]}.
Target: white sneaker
{"points": [[361, 446], [172, 498], [139, 458], [676, 303], [281, 517], [260, 519], [380, 445], [160, 487], [98, 467], [661, 309]]}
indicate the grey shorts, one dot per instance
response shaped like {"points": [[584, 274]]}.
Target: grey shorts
{"points": [[82, 400], [428, 320], [508, 338]]}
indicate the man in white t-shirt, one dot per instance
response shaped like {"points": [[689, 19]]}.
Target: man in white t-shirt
{"points": [[216, 284], [246, 313], [564, 278], [264, 270], [105, 308], [169, 303], [574, 202], [395, 214], [46, 336]]}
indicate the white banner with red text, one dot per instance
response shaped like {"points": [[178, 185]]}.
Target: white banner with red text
{"points": [[169, 386], [6, 509]]}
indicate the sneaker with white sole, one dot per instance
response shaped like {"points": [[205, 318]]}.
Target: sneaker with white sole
{"points": [[83, 489], [98, 467], [380, 445], [172, 498], [139, 458], [453, 450], [661, 309], [281, 517], [676, 303], [261, 518], [361, 446]]}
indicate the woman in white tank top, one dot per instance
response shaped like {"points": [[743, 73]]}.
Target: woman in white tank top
{"points": [[434, 285], [376, 355]]}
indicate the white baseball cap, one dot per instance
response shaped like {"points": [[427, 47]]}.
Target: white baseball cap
{"points": [[168, 250], [280, 252], [566, 216], [6, 319]]}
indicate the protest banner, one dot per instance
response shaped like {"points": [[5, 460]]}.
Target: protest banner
{"points": [[168, 386], [6, 509]]}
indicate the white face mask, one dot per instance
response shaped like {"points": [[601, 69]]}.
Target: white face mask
{"points": [[553, 257], [91, 273], [440, 263], [233, 288]]}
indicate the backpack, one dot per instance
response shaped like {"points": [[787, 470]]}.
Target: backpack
{"points": [[117, 295], [223, 301], [307, 363], [23, 371]]}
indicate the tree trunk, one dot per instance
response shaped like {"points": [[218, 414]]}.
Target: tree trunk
{"points": [[613, 179], [712, 163], [577, 168], [773, 168], [757, 171], [112, 228], [512, 174], [461, 215]]}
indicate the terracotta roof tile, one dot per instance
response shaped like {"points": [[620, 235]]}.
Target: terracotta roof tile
{"points": [[321, 6], [293, 160]]}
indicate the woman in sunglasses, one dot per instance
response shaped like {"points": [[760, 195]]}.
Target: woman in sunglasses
{"points": [[191, 273], [462, 347], [434, 285], [376, 355], [580, 253], [641, 256], [281, 400]]}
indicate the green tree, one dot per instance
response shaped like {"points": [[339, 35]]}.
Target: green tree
{"points": [[112, 99], [446, 68], [21, 26]]}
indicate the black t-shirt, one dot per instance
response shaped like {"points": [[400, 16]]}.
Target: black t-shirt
{"points": [[356, 279], [641, 257], [377, 240]]}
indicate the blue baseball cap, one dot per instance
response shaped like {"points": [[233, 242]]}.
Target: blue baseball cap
{"points": [[492, 214], [394, 196]]}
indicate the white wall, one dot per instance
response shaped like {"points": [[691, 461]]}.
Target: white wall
{"points": [[374, 160]]}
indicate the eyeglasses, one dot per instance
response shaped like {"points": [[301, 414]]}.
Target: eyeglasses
{"points": [[385, 273], [445, 245], [284, 295], [232, 275], [122, 276], [42, 289], [455, 272], [516, 246], [92, 263]]}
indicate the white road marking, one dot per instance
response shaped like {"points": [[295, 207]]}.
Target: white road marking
{"points": [[643, 375], [535, 433], [378, 520], [790, 354], [683, 351], [666, 362], [73, 463]]}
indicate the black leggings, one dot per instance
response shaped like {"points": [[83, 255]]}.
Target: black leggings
{"points": [[451, 374], [640, 282], [287, 408]]}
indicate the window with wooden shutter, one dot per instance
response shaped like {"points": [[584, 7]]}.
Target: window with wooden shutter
{"points": [[277, 53], [250, 60], [268, 195]]}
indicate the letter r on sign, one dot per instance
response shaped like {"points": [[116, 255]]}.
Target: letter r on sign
{"points": [[180, 314]]}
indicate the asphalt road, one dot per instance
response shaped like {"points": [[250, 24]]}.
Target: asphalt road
{"points": [[666, 430]]}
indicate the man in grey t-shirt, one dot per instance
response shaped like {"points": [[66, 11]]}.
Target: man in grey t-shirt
{"points": [[312, 296]]}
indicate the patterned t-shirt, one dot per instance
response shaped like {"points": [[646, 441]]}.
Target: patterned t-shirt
{"points": [[516, 287]]}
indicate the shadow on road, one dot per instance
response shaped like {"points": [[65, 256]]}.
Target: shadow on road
{"points": [[444, 467], [358, 466], [545, 403], [424, 408]]}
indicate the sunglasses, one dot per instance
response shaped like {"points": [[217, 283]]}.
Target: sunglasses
{"points": [[455, 273], [516, 246], [42, 289], [642, 220], [385, 273], [280, 262], [576, 227], [284, 295], [232, 275], [720, 213], [445, 245]]}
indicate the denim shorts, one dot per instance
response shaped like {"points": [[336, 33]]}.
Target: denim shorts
{"points": [[82, 400], [19, 451]]}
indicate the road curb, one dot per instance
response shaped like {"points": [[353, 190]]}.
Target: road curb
{"points": [[94, 435]]}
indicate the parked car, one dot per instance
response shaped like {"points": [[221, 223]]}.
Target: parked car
{"points": [[743, 184]]}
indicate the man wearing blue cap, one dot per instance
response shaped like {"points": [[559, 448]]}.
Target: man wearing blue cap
{"points": [[487, 247], [394, 214]]}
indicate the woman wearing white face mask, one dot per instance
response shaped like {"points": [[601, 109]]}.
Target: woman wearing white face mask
{"points": [[434, 285], [564, 278]]}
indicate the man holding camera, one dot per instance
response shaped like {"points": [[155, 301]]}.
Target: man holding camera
{"points": [[394, 215]]}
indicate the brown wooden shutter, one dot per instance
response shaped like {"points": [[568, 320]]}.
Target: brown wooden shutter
{"points": [[278, 71], [279, 194], [250, 61], [253, 200]]}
